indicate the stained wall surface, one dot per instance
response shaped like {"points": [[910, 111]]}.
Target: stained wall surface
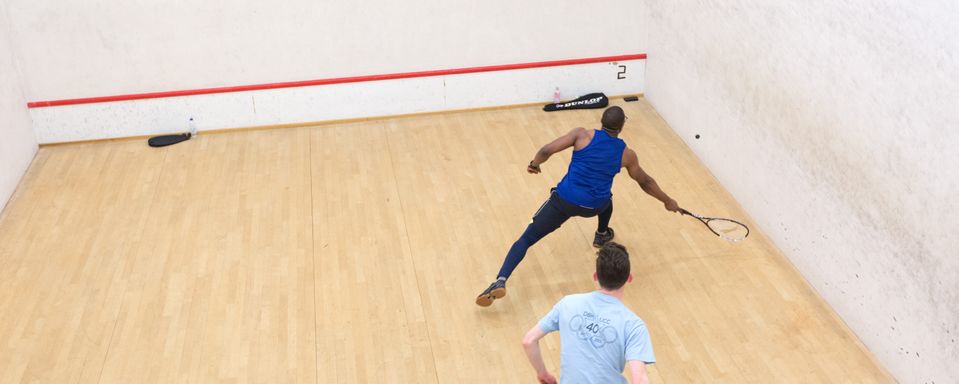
{"points": [[834, 124], [18, 143]]}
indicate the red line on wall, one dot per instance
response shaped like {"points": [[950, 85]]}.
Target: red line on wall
{"points": [[337, 80]]}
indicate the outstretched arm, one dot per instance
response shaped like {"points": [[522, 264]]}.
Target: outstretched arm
{"points": [[637, 370], [561, 143], [531, 346], [646, 182]]}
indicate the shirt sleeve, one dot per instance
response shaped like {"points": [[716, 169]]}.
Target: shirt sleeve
{"points": [[638, 345], [550, 322]]}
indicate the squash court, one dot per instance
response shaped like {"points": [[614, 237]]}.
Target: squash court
{"points": [[351, 252]]}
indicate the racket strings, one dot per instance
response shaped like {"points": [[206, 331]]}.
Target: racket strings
{"points": [[729, 230]]}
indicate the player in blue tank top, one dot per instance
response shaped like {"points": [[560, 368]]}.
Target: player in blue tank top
{"points": [[598, 155]]}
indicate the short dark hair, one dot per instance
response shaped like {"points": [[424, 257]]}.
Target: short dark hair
{"points": [[612, 266], [613, 118]]}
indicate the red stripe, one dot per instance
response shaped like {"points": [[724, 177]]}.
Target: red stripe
{"points": [[337, 80]]}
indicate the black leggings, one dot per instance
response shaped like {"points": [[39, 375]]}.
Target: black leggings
{"points": [[550, 216]]}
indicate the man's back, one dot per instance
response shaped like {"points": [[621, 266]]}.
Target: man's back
{"points": [[590, 175], [598, 334]]}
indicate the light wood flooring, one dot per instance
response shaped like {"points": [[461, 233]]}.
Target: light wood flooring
{"points": [[351, 253]]}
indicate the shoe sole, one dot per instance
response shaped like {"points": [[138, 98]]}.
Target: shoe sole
{"points": [[487, 300], [598, 245]]}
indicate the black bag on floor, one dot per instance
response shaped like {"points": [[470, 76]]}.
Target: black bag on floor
{"points": [[162, 141], [590, 101]]}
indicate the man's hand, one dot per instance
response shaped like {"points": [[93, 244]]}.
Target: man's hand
{"points": [[531, 346], [534, 169], [546, 378], [671, 205]]}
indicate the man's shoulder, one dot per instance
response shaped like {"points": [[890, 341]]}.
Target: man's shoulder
{"points": [[627, 315], [574, 299], [580, 133], [631, 319]]}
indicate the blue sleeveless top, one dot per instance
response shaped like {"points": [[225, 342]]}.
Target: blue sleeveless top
{"points": [[590, 176]]}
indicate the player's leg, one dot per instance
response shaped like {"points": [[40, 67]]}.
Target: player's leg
{"points": [[603, 232], [546, 220], [544, 223]]}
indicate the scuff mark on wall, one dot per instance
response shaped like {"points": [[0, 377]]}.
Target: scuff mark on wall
{"points": [[832, 125]]}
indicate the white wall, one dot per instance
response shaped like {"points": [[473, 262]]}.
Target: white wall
{"points": [[331, 102], [112, 47], [76, 49], [17, 141], [836, 125]]}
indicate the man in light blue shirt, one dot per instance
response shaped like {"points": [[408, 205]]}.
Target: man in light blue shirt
{"points": [[599, 335]]}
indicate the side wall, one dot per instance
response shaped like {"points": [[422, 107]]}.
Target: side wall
{"points": [[17, 141], [835, 125]]}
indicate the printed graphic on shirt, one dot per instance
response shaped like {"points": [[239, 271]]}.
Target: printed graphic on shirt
{"points": [[593, 329]]}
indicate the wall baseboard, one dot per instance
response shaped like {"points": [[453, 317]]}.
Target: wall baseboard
{"points": [[319, 123]]}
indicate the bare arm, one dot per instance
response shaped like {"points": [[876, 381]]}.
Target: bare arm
{"points": [[531, 345], [637, 370], [560, 144], [646, 182]]}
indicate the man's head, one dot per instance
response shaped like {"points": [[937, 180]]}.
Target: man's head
{"points": [[613, 119], [612, 266]]}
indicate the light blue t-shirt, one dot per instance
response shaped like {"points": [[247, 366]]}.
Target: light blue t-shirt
{"points": [[598, 335]]}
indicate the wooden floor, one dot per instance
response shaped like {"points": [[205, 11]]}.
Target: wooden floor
{"points": [[351, 253]]}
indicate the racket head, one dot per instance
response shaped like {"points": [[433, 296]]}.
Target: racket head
{"points": [[729, 230]]}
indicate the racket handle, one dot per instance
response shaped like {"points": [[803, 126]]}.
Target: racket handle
{"points": [[685, 212]]}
